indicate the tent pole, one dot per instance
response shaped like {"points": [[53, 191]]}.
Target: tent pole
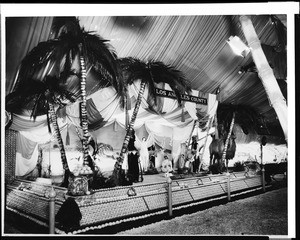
{"points": [[276, 99]]}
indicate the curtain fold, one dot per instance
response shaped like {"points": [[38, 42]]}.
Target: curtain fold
{"points": [[26, 155], [37, 130]]}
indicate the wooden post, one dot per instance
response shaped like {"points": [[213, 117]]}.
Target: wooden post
{"points": [[51, 194], [169, 181], [262, 169], [228, 186]]}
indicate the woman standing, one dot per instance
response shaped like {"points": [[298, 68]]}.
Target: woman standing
{"points": [[152, 155], [133, 163], [159, 158], [195, 153], [144, 155]]}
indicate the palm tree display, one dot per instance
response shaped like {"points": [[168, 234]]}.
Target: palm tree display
{"points": [[86, 56], [42, 97], [149, 73], [77, 58], [228, 116]]}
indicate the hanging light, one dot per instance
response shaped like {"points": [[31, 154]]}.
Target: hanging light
{"points": [[238, 46], [251, 67], [248, 68]]}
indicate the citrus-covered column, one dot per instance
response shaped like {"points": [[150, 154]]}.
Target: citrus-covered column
{"points": [[265, 72]]}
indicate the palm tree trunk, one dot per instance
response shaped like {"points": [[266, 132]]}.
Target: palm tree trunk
{"points": [[64, 161], [276, 99], [132, 121], [119, 162], [227, 141], [84, 121], [191, 134], [182, 113], [126, 99], [216, 127]]}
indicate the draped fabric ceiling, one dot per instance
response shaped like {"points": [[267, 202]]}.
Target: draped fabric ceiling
{"points": [[195, 45]]}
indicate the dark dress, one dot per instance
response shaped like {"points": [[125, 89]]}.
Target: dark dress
{"points": [[133, 161], [196, 161], [151, 151]]}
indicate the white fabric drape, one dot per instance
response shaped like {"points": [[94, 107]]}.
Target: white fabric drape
{"points": [[36, 130], [30, 134], [26, 155], [107, 106], [165, 128], [25, 165]]}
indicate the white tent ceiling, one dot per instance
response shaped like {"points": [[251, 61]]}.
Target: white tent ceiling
{"points": [[195, 45]]}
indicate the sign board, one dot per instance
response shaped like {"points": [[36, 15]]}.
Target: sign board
{"points": [[184, 97]]}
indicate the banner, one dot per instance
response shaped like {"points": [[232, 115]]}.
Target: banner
{"points": [[184, 97]]}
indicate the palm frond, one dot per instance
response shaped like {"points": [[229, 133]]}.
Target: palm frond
{"points": [[103, 59], [40, 106], [65, 25], [245, 116], [35, 61], [168, 74], [35, 95], [133, 69], [103, 148], [55, 55], [59, 55], [154, 72], [99, 55], [24, 96]]}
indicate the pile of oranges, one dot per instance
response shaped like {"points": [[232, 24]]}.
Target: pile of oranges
{"points": [[82, 170]]}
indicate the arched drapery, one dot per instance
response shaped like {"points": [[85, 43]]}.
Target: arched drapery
{"points": [[22, 35]]}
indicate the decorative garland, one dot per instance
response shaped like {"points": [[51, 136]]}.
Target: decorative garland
{"points": [[84, 121]]}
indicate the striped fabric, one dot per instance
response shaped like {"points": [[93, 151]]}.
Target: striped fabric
{"points": [[103, 109]]}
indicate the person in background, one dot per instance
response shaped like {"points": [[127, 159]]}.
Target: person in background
{"points": [[166, 167], [152, 155], [159, 158], [182, 157], [181, 163], [195, 153], [188, 166], [168, 155], [144, 155], [133, 160]]}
